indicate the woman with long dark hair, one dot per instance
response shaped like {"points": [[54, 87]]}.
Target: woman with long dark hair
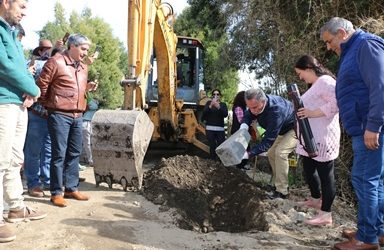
{"points": [[238, 109], [322, 112]]}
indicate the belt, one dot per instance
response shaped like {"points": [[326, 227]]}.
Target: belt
{"points": [[73, 114]]}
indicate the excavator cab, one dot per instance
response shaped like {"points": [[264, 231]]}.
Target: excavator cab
{"points": [[189, 98], [189, 74]]}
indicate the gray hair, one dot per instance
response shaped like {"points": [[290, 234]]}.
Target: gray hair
{"points": [[336, 23], [78, 39], [256, 94]]}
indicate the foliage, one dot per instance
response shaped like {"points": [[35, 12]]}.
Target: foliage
{"points": [[268, 36], [108, 68]]}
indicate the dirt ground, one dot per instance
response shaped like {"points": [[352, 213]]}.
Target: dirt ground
{"points": [[186, 203], [208, 196]]}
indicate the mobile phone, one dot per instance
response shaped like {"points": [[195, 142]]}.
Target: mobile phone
{"points": [[97, 52], [65, 38]]}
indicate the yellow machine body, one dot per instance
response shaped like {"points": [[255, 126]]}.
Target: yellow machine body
{"points": [[155, 107]]}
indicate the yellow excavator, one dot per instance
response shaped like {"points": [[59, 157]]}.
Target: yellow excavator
{"points": [[163, 94]]}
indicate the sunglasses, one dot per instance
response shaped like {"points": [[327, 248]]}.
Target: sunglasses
{"points": [[217, 94]]}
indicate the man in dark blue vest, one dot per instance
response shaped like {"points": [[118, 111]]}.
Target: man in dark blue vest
{"points": [[360, 97]]}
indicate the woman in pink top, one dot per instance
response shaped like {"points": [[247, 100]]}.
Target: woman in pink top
{"points": [[321, 109]]}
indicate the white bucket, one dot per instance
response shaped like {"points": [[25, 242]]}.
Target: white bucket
{"points": [[232, 150]]}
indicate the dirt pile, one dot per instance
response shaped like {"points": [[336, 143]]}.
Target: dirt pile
{"points": [[208, 196], [204, 196]]}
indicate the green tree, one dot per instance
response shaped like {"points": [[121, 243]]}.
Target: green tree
{"points": [[267, 37], [57, 28], [108, 68]]}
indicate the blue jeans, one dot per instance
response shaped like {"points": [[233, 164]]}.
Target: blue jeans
{"points": [[367, 180], [66, 137], [37, 152]]}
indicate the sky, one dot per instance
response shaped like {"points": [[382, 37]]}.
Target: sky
{"points": [[114, 12]]}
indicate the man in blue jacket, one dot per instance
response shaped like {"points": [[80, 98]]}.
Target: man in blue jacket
{"points": [[276, 115], [17, 92], [360, 97]]}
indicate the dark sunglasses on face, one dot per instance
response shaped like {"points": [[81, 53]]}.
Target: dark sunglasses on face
{"points": [[216, 94]]}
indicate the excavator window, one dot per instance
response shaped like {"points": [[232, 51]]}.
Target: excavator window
{"points": [[189, 73]]}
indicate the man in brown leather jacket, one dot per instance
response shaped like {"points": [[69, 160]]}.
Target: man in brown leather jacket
{"points": [[63, 83]]}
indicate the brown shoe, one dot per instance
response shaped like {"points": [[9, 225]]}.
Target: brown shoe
{"points": [[348, 233], [351, 234], [81, 179], [354, 244], [76, 195], [36, 192], [58, 200], [25, 214], [6, 233]]}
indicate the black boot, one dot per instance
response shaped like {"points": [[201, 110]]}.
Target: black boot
{"points": [[242, 164]]}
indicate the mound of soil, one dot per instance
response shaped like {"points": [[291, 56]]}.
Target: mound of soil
{"points": [[208, 196]]}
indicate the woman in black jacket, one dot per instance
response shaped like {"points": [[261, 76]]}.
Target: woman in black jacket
{"points": [[214, 113]]}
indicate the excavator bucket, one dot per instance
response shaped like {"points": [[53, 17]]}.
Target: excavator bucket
{"points": [[119, 142]]}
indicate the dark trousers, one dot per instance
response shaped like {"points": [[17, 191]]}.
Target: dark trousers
{"points": [[215, 138], [37, 152], [320, 178], [66, 139]]}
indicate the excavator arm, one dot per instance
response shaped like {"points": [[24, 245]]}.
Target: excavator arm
{"points": [[148, 31], [165, 42], [121, 137]]}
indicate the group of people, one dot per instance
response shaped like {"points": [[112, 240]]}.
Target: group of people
{"points": [[277, 116], [41, 116], [37, 148], [356, 96]]}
